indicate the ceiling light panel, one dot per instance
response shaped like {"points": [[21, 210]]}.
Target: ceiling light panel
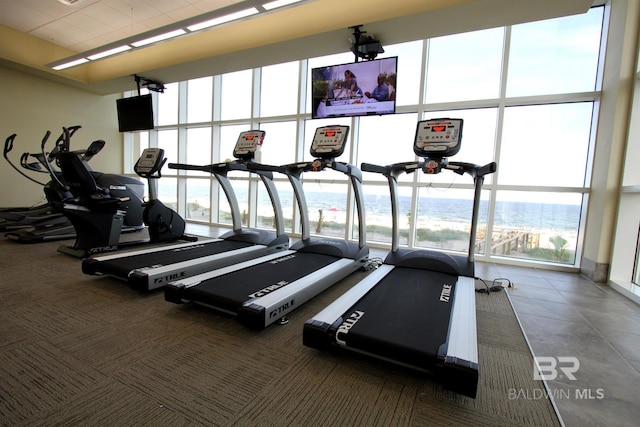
{"points": [[279, 3], [96, 12], [109, 52], [223, 19], [159, 37], [70, 64]]}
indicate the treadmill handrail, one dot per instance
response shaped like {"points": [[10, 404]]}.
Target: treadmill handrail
{"points": [[394, 169], [392, 172], [294, 172], [259, 167], [223, 167], [319, 164], [471, 168], [219, 170]]}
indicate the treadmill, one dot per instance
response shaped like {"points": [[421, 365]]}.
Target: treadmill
{"points": [[417, 309], [265, 290], [151, 268]]}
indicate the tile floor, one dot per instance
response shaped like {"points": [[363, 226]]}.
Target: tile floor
{"points": [[565, 315]]}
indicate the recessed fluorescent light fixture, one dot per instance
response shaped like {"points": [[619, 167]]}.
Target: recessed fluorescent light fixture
{"points": [[222, 19], [160, 37], [235, 12], [279, 3], [70, 64], [109, 52]]}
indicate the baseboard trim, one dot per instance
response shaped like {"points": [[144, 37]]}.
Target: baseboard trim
{"points": [[597, 272]]}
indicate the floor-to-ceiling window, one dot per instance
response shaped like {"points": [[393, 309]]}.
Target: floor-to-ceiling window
{"points": [[527, 93]]}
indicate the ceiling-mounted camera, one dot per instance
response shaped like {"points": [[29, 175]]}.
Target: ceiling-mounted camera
{"points": [[364, 46], [152, 85]]}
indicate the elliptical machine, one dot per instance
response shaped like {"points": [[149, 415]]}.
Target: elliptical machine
{"points": [[43, 215], [164, 223], [98, 213]]}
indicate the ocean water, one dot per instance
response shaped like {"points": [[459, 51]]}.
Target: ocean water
{"points": [[511, 214]]}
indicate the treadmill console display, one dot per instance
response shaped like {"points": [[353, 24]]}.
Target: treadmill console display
{"points": [[248, 143], [329, 141], [438, 137], [150, 161]]}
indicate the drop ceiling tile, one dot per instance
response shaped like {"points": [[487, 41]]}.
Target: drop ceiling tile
{"points": [[108, 15], [22, 17], [168, 6], [137, 10], [183, 13], [61, 34], [86, 23]]}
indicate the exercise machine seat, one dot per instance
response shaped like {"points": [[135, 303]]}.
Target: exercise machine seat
{"points": [[82, 184]]}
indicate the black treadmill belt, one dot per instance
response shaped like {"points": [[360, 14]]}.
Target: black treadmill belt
{"points": [[231, 290], [404, 317], [121, 267]]}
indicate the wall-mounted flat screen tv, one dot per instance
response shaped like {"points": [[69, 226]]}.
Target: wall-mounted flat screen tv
{"points": [[354, 89], [135, 113]]}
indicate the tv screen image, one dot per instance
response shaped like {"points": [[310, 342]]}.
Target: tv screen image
{"points": [[135, 113], [354, 89]]}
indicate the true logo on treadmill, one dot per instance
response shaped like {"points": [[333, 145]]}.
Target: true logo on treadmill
{"points": [[445, 294], [345, 327], [264, 291], [170, 278], [189, 248], [102, 249], [283, 259], [281, 311]]}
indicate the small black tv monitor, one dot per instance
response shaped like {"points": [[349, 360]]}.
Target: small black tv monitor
{"points": [[135, 113], [354, 89]]}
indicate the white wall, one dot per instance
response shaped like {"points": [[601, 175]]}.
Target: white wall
{"points": [[30, 107], [611, 137]]}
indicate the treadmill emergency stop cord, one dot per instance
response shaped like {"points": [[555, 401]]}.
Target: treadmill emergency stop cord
{"points": [[494, 287]]}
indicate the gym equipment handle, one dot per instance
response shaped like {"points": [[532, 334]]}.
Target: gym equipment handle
{"points": [[368, 167], [487, 169]]}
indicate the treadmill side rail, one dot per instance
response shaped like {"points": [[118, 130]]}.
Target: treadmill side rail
{"points": [[462, 340], [261, 312], [174, 291], [133, 252], [157, 277], [460, 369]]}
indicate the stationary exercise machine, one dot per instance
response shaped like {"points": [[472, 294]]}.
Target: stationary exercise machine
{"points": [[265, 290], [417, 309], [42, 216], [152, 268], [57, 192], [98, 213]]}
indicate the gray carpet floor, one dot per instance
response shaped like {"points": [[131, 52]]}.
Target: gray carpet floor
{"points": [[84, 350]]}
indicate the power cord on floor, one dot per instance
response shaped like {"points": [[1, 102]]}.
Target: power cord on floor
{"points": [[372, 263], [496, 286]]}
